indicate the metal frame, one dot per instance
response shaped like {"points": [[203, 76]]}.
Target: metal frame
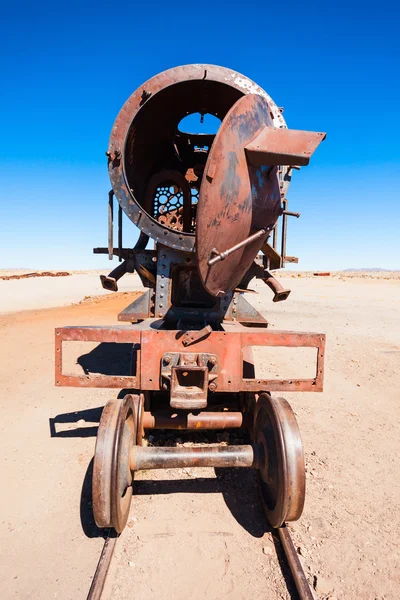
{"points": [[153, 343]]}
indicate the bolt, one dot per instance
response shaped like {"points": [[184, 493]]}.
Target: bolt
{"points": [[167, 359], [165, 386], [212, 386], [212, 360]]}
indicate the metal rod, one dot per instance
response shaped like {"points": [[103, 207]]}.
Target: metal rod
{"points": [[295, 566], [275, 236], [110, 223], [119, 232], [203, 456], [291, 214], [201, 420], [222, 255], [284, 230]]}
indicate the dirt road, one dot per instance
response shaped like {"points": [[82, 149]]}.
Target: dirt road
{"points": [[190, 538]]}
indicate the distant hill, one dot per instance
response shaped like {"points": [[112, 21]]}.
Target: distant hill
{"points": [[374, 269]]}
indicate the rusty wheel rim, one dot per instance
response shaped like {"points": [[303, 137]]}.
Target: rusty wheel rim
{"points": [[102, 465], [121, 475], [138, 400], [112, 478], [282, 475]]}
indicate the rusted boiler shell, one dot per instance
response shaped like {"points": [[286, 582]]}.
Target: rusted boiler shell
{"points": [[149, 158]]}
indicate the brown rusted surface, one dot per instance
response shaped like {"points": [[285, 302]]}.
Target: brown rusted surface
{"points": [[188, 376], [110, 281], [197, 421], [236, 199], [162, 457], [112, 478], [121, 475], [274, 146], [191, 337], [227, 346], [209, 201], [161, 199], [100, 335], [282, 474], [138, 401], [189, 386], [271, 253], [102, 466], [280, 293], [145, 136]]}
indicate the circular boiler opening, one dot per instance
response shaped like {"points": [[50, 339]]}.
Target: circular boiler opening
{"points": [[197, 123], [167, 147]]}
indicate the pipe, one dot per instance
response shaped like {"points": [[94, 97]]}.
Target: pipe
{"points": [[199, 421], [222, 255], [109, 282], [278, 289], [143, 458]]}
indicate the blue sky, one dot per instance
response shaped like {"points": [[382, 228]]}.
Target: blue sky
{"points": [[67, 68]]}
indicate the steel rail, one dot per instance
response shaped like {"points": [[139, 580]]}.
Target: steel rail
{"points": [[100, 575], [292, 559], [295, 566]]}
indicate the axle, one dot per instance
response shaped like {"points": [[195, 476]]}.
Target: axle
{"points": [[198, 421], [143, 458]]}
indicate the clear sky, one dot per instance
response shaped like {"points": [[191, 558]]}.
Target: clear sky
{"points": [[67, 68]]}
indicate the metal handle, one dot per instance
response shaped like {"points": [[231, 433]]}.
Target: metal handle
{"points": [[222, 255]]}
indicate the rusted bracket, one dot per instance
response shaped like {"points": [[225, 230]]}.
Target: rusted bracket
{"points": [[281, 146], [188, 376], [272, 255], [191, 337]]}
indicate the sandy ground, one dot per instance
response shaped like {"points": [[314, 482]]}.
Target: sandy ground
{"points": [[196, 538], [45, 292]]}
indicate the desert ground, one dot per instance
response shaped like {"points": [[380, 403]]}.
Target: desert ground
{"points": [[201, 534]]}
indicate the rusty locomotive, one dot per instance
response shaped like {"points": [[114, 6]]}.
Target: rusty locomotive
{"points": [[210, 203]]}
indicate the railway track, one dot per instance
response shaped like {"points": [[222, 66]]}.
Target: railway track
{"points": [[269, 443], [292, 560]]}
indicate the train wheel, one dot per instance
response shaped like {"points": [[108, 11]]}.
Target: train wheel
{"points": [[138, 401], [112, 476], [282, 475]]}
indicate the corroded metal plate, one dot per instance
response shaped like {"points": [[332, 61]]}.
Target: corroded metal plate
{"points": [[275, 146], [236, 199]]}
